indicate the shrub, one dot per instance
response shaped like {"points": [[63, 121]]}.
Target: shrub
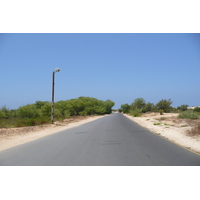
{"points": [[149, 107], [188, 115], [99, 110], [40, 104], [161, 112], [157, 124], [25, 122], [42, 120], [46, 110], [31, 121], [67, 114], [194, 131], [136, 112], [196, 109], [125, 108], [28, 111], [5, 112], [40, 112], [182, 107], [58, 113], [83, 113], [2, 114]]}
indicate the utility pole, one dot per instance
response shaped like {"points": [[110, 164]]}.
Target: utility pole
{"points": [[53, 83]]}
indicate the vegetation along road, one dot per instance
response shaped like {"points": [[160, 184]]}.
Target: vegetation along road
{"points": [[113, 140]]}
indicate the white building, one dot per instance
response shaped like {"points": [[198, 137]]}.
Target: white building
{"points": [[191, 108]]}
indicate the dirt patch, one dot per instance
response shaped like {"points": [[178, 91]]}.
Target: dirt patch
{"points": [[10, 137], [171, 127]]}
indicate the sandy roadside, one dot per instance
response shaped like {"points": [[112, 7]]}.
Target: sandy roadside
{"points": [[174, 131], [170, 129], [19, 136]]}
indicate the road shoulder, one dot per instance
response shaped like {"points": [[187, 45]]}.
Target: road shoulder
{"points": [[20, 136], [176, 134]]}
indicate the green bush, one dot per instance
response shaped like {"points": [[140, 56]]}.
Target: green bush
{"points": [[3, 124], [67, 114], [188, 115], [2, 114], [136, 112], [125, 108], [83, 113], [120, 110], [40, 104], [100, 110], [58, 114], [164, 105], [161, 112], [148, 107], [28, 111], [139, 103], [182, 107], [85, 106], [40, 112], [32, 121], [45, 110], [5, 110], [25, 122], [196, 109]]}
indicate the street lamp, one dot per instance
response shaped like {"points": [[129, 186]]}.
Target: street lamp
{"points": [[52, 108]]}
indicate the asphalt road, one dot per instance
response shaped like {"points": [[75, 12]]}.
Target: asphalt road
{"points": [[109, 141]]}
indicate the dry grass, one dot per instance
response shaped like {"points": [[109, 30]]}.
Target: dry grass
{"points": [[4, 132], [182, 131], [195, 131], [173, 120]]}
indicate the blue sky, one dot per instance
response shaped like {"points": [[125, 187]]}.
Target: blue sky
{"points": [[115, 66], [120, 67]]}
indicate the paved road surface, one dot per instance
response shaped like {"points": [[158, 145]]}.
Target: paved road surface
{"points": [[109, 141]]}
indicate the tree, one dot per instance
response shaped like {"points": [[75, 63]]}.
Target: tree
{"points": [[5, 112], [2, 114], [149, 107], [139, 103], [108, 104], [125, 108], [182, 107], [28, 111], [164, 105], [84, 106], [39, 104]]}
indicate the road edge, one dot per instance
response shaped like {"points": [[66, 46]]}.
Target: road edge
{"points": [[22, 139], [162, 136]]}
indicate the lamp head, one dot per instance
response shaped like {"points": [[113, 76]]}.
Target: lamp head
{"points": [[57, 69]]}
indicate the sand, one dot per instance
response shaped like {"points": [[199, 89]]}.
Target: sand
{"points": [[170, 127]]}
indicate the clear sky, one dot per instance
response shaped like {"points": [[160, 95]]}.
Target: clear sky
{"points": [[120, 67], [115, 66]]}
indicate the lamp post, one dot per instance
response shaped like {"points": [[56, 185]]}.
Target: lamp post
{"points": [[53, 83]]}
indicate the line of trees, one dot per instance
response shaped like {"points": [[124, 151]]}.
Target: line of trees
{"points": [[141, 106], [40, 111]]}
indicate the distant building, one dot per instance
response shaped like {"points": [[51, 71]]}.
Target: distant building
{"points": [[191, 108]]}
